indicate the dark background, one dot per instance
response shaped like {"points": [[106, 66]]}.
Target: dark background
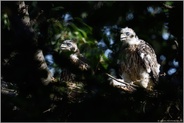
{"points": [[95, 26]]}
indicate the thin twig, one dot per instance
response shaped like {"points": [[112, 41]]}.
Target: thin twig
{"points": [[121, 81], [163, 74]]}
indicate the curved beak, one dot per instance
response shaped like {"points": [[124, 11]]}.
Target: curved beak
{"points": [[122, 37], [63, 46]]}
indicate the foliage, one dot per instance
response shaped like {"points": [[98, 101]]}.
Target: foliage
{"points": [[95, 27]]}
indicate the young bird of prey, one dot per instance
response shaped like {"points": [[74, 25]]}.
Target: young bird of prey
{"points": [[137, 62], [70, 49], [72, 60]]}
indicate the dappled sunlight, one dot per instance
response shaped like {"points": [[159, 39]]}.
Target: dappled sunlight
{"points": [[78, 86]]}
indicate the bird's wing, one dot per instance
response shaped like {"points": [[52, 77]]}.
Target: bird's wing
{"points": [[148, 56], [80, 61]]}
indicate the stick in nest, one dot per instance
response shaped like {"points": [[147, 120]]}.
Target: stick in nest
{"points": [[121, 81]]}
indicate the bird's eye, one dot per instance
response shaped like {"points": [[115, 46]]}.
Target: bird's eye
{"points": [[127, 33], [69, 44]]}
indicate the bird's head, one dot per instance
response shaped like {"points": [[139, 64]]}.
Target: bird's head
{"points": [[128, 36], [69, 46]]}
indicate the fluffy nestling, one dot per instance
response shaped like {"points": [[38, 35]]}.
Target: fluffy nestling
{"points": [[137, 61]]}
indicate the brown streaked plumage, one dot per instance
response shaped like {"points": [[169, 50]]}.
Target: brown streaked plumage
{"points": [[137, 61]]}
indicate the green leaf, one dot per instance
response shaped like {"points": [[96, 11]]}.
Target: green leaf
{"points": [[104, 61]]}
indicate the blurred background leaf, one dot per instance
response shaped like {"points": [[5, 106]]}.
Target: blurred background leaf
{"points": [[94, 25]]}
